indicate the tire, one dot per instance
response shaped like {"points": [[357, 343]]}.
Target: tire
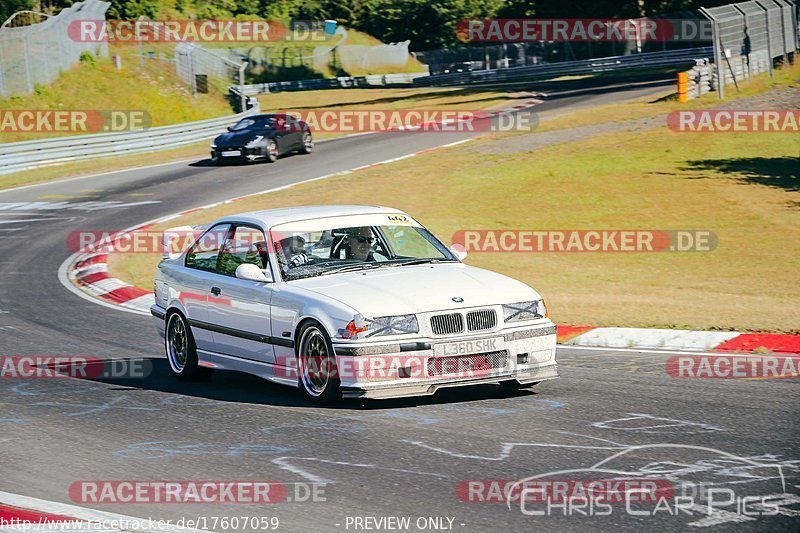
{"points": [[515, 385], [181, 350], [317, 373], [271, 151], [307, 143]]}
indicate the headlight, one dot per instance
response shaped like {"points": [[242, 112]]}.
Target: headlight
{"points": [[524, 311], [363, 328], [213, 145], [254, 142]]}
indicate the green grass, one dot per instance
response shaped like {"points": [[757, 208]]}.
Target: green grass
{"points": [[743, 187], [100, 86]]}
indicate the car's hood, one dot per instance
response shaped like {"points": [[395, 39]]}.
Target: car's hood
{"points": [[416, 289], [240, 138]]}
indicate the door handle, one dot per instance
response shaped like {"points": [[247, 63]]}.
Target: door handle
{"points": [[216, 291]]}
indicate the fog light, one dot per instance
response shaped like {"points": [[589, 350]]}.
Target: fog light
{"points": [[522, 358]]}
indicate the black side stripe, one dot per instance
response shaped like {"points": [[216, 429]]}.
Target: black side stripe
{"points": [[266, 339]]}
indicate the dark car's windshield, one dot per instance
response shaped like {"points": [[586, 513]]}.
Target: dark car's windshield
{"points": [[253, 123]]}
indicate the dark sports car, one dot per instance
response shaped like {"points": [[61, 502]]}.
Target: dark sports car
{"points": [[262, 137]]}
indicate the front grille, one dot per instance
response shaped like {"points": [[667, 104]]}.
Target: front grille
{"points": [[481, 320], [476, 365], [447, 324]]}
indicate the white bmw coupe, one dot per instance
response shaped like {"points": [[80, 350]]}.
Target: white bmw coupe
{"points": [[353, 301]]}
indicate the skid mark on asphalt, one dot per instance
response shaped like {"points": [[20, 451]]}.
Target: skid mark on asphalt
{"points": [[285, 464], [164, 449], [635, 422], [94, 408]]}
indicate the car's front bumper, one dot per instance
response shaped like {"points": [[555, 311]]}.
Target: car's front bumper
{"points": [[525, 354], [245, 154]]}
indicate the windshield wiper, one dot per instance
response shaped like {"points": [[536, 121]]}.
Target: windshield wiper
{"points": [[419, 261], [353, 268]]}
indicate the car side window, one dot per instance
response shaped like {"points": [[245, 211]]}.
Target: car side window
{"points": [[204, 253], [244, 245]]}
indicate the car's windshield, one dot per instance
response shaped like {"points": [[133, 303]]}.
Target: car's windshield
{"points": [[309, 253], [253, 123]]}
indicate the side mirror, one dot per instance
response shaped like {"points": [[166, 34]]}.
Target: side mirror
{"points": [[459, 251], [251, 272], [229, 128]]}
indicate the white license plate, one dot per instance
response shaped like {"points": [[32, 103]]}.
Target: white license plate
{"points": [[231, 153], [468, 347]]}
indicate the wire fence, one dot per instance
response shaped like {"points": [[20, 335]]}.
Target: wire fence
{"points": [[748, 37], [34, 54]]}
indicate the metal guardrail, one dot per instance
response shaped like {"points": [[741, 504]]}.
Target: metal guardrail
{"points": [[373, 80], [31, 154], [587, 66]]}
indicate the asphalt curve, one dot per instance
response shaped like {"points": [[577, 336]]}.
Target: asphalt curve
{"points": [[403, 458]]}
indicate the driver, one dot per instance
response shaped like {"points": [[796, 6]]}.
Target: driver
{"points": [[360, 241], [294, 252]]}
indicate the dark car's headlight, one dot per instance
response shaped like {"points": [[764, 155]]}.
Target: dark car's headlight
{"points": [[214, 144], [524, 311], [252, 144], [361, 327]]}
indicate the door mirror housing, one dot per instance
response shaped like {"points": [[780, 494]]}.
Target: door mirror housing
{"points": [[459, 251], [251, 272], [229, 128]]}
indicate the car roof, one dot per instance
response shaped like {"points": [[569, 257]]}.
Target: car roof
{"points": [[272, 217]]}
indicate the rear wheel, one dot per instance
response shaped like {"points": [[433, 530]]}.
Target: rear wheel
{"points": [[181, 350], [318, 374]]}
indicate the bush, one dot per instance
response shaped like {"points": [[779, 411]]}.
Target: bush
{"points": [[88, 58]]}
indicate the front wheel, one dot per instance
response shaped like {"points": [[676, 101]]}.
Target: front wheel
{"points": [[318, 374], [271, 151], [308, 144], [181, 350]]}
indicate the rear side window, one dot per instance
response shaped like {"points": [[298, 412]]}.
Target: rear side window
{"points": [[204, 253], [244, 245]]}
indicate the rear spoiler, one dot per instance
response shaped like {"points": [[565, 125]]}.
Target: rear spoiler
{"points": [[176, 240]]}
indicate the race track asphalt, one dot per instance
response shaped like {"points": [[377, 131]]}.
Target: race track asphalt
{"points": [[377, 459]]}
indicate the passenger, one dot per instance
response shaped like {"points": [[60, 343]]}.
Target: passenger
{"points": [[294, 252]]}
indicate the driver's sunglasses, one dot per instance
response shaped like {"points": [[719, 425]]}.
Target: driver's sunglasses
{"points": [[361, 239]]}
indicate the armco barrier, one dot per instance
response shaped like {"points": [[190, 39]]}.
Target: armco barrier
{"points": [[343, 82], [31, 154], [682, 56]]}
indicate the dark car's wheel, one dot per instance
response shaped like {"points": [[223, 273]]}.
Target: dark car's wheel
{"points": [[308, 144], [181, 350], [318, 374], [514, 384], [271, 151]]}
